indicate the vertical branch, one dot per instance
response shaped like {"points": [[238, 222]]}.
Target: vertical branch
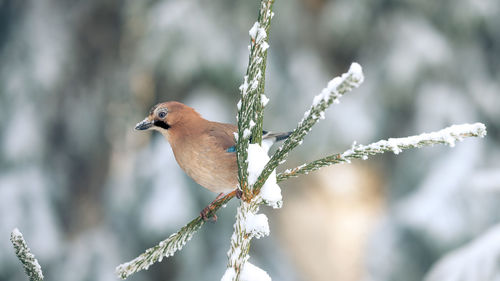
{"points": [[240, 240], [250, 119], [265, 16], [250, 107]]}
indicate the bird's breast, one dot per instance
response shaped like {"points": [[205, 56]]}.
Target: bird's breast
{"points": [[210, 166]]}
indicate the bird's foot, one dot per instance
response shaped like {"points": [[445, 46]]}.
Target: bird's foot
{"points": [[239, 193], [204, 214]]}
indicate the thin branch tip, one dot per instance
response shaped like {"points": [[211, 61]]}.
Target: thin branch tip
{"points": [[448, 136], [23, 253]]}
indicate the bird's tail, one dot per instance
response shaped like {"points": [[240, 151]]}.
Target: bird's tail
{"points": [[269, 138], [275, 136]]}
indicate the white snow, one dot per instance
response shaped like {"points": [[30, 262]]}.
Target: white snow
{"points": [[228, 275], [258, 75], [257, 160], [253, 31], [250, 272], [24, 254], [254, 84], [271, 192], [357, 72], [17, 234], [447, 136], [244, 87], [354, 77], [247, 133], [264, 99], [306, 114], [267, 143], [264, 46], [257, 33], [257, 225]]}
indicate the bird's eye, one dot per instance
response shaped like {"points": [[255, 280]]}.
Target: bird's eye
{"points": [[162, 114]]}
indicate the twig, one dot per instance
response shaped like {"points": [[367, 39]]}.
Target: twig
{"points": [[169, 246], [331, 94], [30, 264], [445, 136], [251, 105]]}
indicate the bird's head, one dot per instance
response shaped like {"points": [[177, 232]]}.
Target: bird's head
{"points": [[164, 116]]}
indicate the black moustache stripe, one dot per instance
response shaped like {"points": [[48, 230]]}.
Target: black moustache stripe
{"points": [[161, 124]]}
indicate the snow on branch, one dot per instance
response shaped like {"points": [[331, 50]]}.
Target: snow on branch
{"points": [[256, 225], [253, 100], [30, 264], [165, 248], [449, 136], [169, 246], [337, 87]]}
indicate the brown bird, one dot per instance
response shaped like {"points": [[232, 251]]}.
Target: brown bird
{"points": [[205, 150]]}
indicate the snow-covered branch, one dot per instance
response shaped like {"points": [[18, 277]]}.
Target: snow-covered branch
{"points": [[257, 172], [337, 87], [30, 264], [169, 246], [448, 136], [253, 100], [247, 224], [249, 156]]}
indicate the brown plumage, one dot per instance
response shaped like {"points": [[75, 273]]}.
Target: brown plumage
{"points": [[203, 149]]}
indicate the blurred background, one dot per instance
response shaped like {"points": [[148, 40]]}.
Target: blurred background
{"points": [[89, 193]]}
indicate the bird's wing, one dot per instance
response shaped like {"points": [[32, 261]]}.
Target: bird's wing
{"points": [[223, 134]]}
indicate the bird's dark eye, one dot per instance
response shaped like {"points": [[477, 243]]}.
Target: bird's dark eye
{"points": [[162, 114]]}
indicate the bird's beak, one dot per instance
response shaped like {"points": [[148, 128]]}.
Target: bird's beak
{"points": [[144, 124]]}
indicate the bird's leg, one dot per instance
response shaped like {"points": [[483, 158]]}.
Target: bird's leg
{"points": [[239, 193], [204, 213]]}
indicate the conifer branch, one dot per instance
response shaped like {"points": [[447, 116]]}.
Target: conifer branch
{"points": [[250, 119], [169, 246], [175, 242], [331, 94], [240, 240], [256, 183], [447, 136], [251, 105], [30, 264]]}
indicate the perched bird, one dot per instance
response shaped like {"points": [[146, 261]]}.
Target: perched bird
{"points": [[205, 150]]}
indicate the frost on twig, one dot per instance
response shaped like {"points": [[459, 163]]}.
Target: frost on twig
{"points": [[251, 158], [337, 87], [447, 136], [165, 248], [257, 172], [270, 193], [253, 100], [169, 246], [30, 264]]}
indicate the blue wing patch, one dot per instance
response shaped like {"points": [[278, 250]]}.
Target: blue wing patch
{"points": [[231, 149]]}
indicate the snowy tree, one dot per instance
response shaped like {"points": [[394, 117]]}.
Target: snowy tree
{"points": [[257, 171]]}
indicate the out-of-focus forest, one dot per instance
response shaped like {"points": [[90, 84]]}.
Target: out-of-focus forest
{"points": [[89, 193]]}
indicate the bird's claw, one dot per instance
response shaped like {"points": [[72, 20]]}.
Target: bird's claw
{"points": [[204, 214], [239, 193]]}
